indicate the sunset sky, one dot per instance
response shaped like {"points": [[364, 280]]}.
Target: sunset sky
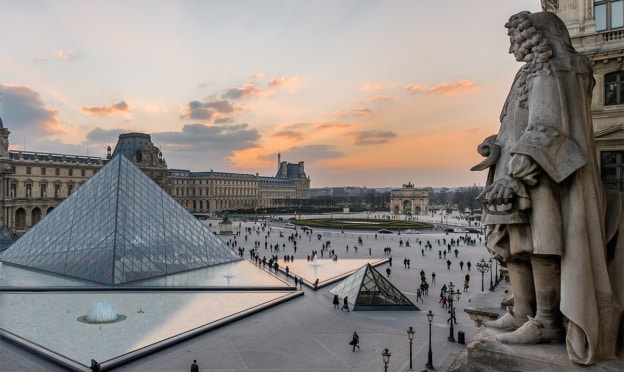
{"points": [[366, 93]]}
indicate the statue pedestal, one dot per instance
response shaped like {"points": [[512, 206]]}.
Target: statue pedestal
{"points": [[226, 228], [484, 353]]}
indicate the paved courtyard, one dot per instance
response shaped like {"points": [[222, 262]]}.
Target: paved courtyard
{"points": [[307, 333]]}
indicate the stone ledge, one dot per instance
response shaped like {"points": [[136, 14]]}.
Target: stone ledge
{"points": [[484, 353]]}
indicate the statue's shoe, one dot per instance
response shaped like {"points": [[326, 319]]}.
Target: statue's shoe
{"points": [[507, 322], [532, 332]]}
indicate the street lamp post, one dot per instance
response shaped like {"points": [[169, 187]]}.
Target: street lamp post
{"points": [[491, 282], [410, 335], [386, 358], [496, 277], [483, 268], [453, 295], [430, 354]]}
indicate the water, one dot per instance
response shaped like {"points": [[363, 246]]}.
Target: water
{"points": [[101, 312]]}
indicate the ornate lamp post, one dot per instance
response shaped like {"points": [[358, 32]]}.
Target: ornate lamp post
{"points": [[483, 268], [386, 358], [410, 335], [491, 282], [429, 364], [496, 277], [453, 295]]}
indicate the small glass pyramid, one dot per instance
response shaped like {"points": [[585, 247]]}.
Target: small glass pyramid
{"points": [[118, 227], [367, 289]]}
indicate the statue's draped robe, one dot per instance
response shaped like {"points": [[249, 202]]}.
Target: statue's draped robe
{"points": [[567, 206]]}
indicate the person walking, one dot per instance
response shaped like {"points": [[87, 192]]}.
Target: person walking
{"points": [[336, 301], [345, 304], [355, 341], [194, 366], [419, 295]]}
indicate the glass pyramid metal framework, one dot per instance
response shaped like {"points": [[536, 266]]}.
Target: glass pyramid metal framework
{"points": [[118, 227], [367, 289]]}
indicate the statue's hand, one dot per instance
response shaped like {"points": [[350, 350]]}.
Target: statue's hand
{"points": [[522, 167], [504, 196]]}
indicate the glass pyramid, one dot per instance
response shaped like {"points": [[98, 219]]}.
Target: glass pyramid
{"points": [[6, 238], [367, 289], [118, 227]]}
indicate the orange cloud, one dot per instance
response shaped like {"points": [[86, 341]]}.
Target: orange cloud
{"points": [[361, 112], [453, 88], [377, 86], [444, 88], [289, 134], [66, 55], [289, 83], [331, 125], [116, 108], [373, 137], [415, 88], [381, 98], [257, 75]]}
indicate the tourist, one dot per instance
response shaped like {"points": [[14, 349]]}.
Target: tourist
{"points": [[336, 301], [388, 271], [345, 304], [194, 366], [95, 366], [419, 295], [433, 275], [355, 341]]}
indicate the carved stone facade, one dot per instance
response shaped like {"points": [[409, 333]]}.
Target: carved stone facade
{"points": [[597, 31], [409, 200], [33, 183]]}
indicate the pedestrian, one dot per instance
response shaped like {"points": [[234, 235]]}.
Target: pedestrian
{"points": [[296, 281], [448, 264], [388, 271], [468, 264], [465, 286], [433, 277], [95, 366], [336, 301], [461, 265], [194, 366], [316, 282], [419, 295], [355, 341], [345, 304]]}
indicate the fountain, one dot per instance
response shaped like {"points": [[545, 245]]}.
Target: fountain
{"points": [[101, 312]]}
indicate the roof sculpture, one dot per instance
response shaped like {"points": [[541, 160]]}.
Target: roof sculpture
{"points": [[367, 289], [118, 227]]}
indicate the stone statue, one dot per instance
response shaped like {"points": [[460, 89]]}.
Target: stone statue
{"points": [[544, 203]]}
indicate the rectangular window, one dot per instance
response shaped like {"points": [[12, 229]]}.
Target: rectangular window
{"points": [[83, 172], [614, 88], [609, 14], [617, 14], [71, 172], [70, 188], [28, 170], [43, 171], [57, 172], [612, 169]]}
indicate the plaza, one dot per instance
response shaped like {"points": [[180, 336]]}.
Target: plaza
{"points": [[306, 333]]}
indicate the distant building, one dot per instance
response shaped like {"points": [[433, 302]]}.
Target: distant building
{"points": [[33, 183], [597, 30], [409, 200]]}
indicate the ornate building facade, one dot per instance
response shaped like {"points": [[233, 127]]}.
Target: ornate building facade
{"points": [[597, 30], [409, 200], [33, 183]]}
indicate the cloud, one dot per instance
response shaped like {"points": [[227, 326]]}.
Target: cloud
{"points": [[24, 110], [116, 108], [66, 55], [246, 91], [382, 98], [459, 87], [359, 112], [289, 134], [453, 88], [257, 75], [309, 153], [372, 137], [217, 109], [332, 125], [102, 136], [415, 88], [289, 83], [377, 86], [215, 139]]}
